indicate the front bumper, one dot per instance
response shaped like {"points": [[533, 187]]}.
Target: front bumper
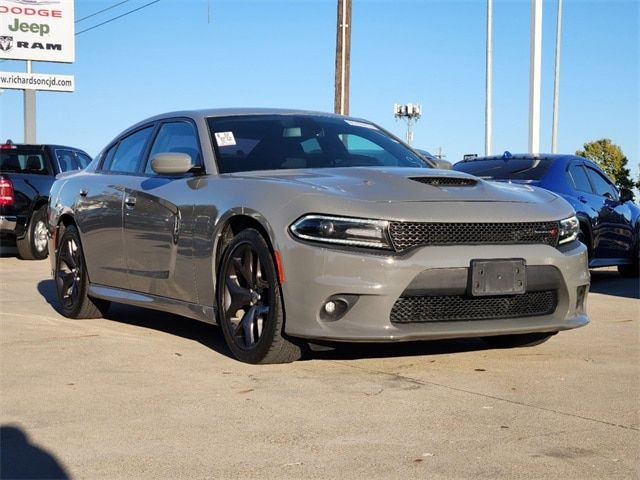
{"points": [[374, 282]]}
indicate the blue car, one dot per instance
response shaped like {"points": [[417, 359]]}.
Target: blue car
{"points": [[609, 220]]}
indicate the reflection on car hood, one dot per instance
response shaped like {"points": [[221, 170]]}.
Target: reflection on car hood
{"points": [[402, 185]]}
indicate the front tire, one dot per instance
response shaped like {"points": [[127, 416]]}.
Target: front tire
{"points": [[520, 340], [72, 280], [250, 307], [34, 244]]}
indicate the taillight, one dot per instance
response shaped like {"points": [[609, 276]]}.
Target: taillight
{"points": [[7, 195]]}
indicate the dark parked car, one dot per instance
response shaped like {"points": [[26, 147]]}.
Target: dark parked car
{"points": [[26, 175], [285, 227], [609, 220]]}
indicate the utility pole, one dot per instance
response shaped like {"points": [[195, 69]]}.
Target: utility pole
{"points": [[556, 82], [534, 78], [343, 57], [488, 113]]}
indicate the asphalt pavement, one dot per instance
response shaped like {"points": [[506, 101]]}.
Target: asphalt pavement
{"points": [[142, 394]]}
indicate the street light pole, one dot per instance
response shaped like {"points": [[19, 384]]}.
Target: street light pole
{"points": [[556, 82], [29, 112], [488, 113], [534, 78]]}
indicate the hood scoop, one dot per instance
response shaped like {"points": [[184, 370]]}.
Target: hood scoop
{"points": [[446, 181]]}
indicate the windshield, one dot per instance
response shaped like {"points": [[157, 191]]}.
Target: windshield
{"points": [[505, 169], [276, 142]]}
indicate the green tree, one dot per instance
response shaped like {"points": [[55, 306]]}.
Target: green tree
{"points": [[610, 159]]}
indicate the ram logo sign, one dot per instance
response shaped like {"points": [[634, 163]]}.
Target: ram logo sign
{"points": [[40, 30]]}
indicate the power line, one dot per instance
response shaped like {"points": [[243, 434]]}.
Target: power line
{"points": [[103, 10], [116, 18]]}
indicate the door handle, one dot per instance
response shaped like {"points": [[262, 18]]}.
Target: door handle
{"points": [[84, 192], [130, 202], [582, 199]]}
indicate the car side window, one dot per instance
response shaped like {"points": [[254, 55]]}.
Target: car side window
{"points": [[601, 184], [579, 178], [179, 137], [129, 152], [83, 160], [66, 160]]}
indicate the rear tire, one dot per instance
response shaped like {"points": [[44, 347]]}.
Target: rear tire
{"points": [[633, 270], [520, 340], [33, 246], [72, 279], [250, 307]]}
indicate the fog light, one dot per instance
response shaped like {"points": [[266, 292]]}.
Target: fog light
{"points": [[330, 307], [336, 306]]}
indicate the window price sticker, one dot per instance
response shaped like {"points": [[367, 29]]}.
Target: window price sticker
{"points": [[224, 139]]}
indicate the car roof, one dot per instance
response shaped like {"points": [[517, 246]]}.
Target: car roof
{"points": [[552, 157], [43, 145], [227, 112]]}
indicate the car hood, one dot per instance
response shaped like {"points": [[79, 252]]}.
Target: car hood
{"points": [[390, 185]]}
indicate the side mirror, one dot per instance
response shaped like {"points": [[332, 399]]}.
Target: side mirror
{"points": [[174, 163], [441, 164], [626, 195]]}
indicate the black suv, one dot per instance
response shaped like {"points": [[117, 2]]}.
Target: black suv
{"points": [[26, 175]]}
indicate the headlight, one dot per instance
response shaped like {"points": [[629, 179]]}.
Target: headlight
{"points": [[569, 228], [357, 232]]}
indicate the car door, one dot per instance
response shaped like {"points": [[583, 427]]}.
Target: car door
{"points": [[615, 216], [158, 217], [100, 205]]}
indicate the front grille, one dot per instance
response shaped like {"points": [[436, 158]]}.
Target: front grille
{"points": [[446, 181], [446, 308], [405, 235]]}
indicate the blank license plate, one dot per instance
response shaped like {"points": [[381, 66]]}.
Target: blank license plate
{"points": [[498, 277]]}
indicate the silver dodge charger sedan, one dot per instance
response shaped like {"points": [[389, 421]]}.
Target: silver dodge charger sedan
{"points": [[288, 228]]}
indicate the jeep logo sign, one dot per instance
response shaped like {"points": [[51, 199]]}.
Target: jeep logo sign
{"points": [[40, 30]]}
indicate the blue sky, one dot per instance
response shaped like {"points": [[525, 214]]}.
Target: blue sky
{"points": [[281, 54]]}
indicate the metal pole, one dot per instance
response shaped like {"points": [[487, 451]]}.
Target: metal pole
{"points": [[488, 113], [343, 57], [29, 112], [556, 82], [534, 78]]}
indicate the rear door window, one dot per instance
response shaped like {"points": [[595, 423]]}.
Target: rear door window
{"points": [[66, 160], [579, 178], [602, 185], [83, 159]]}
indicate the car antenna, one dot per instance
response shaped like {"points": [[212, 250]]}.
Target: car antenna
{"points": [[506, 155]]}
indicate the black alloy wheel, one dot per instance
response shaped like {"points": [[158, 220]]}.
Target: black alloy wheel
{"points": [[72, 280], [250, 309]]}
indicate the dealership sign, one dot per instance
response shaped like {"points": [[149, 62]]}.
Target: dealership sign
{"points": [[40, 30]]}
